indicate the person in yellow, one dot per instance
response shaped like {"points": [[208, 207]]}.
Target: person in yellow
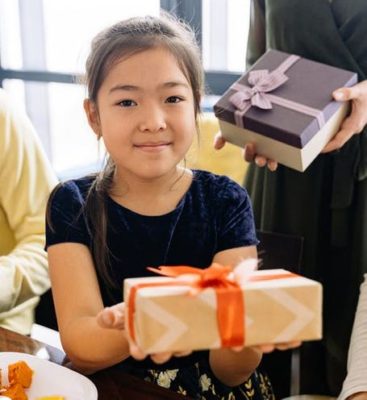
{"points": [[26, 179]]}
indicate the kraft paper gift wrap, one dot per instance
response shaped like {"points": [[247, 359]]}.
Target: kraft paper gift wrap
{"points": [[211, 310], [284, 105]]}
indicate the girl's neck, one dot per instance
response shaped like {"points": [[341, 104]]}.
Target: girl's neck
{"points": [[152, 197]]}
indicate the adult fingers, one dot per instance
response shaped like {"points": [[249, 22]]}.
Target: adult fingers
{"points": [[219, 141], [272, 165], [249, 152], [338, 140], [356, 92]]}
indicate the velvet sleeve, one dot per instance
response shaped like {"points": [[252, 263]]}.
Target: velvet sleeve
{"points": [[236, 227], [66, 221]]}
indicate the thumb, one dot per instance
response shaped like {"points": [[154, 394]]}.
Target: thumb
{"points": [[343, 94]]}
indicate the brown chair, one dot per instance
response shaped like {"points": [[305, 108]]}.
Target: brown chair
{"points": [[277, 250]]}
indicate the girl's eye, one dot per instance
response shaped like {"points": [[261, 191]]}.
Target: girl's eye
{"points": [[174, 99], [127, 103]]}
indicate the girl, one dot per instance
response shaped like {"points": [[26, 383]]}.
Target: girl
{"points": [[144, 80]]}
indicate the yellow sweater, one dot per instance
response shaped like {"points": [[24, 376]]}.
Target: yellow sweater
{"points": [[26, 179]]}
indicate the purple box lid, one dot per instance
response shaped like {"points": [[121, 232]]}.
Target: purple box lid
{"points": [[310, 84]]}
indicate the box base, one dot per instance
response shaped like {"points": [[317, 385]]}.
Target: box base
{"points": [[292, 157]]}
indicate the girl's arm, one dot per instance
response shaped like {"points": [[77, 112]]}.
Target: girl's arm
{"points": [[77, 296]]}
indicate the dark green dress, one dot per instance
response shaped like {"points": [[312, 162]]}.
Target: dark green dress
{"points": [[327, 204]]}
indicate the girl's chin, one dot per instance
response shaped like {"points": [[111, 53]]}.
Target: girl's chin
{"points": [[156, 173]]}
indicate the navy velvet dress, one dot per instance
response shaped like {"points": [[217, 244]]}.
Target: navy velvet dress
{"points": [[215, 214]]}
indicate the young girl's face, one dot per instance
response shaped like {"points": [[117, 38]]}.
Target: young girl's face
{"points": [[146, 114]]}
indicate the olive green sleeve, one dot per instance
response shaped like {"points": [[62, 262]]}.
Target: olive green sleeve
{"points": [[256, 45]]}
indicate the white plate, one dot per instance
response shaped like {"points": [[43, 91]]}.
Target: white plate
{"points": [[50, 378]]}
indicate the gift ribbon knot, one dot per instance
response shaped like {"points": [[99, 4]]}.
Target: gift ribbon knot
{"points": [[257, 93], [261, 81]]}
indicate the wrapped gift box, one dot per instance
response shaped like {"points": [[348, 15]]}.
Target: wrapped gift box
{"points": [[276, 306], [284, 105]]}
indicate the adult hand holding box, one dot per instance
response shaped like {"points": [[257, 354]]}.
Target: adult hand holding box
{"points": [[212, 310]]}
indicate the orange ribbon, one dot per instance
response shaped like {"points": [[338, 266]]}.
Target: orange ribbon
{"points": [[230, 301]]}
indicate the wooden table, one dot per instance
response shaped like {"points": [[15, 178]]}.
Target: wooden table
{"points": [[111, 384]]}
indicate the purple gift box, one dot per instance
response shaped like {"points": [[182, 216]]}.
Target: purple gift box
{"points": [[284, 105]]}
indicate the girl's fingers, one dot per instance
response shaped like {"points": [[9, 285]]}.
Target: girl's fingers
{"points": [[268, 348], [289, 345], [105, 318], [135, 352], [112, 317], [237, 349], [161, 358], [182, 353]]}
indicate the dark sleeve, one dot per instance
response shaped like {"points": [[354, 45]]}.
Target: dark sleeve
{"points": [[256, 45], [66, 220], [236, 226]]}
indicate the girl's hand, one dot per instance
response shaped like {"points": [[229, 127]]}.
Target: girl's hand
{"points": [[268, 348], [114, 318], [249, 153], [357, 119]]}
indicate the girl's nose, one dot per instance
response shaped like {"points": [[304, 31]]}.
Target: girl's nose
{"points": [[153, 120]]}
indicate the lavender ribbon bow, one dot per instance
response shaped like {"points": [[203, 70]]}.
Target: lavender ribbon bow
{"points": [[262, 82]]}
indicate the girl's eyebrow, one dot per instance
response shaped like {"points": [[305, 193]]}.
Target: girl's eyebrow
{"points": [[131, 88], [128, 88], [175, 83]]}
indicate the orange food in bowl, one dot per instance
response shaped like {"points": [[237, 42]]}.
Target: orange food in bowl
{"points": [[20, 372], [15, 392], [19, 377]]}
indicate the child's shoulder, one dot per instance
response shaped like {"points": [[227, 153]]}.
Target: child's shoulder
{"points": [[73, 188], [219, 184]]}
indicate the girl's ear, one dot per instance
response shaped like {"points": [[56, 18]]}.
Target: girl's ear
{"points": [[91, 111]]}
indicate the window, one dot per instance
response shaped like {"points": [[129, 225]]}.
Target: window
{"points": [[44, 43]]}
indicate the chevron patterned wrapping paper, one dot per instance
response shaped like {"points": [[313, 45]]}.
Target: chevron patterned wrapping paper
{"points": [[169, 318]]}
